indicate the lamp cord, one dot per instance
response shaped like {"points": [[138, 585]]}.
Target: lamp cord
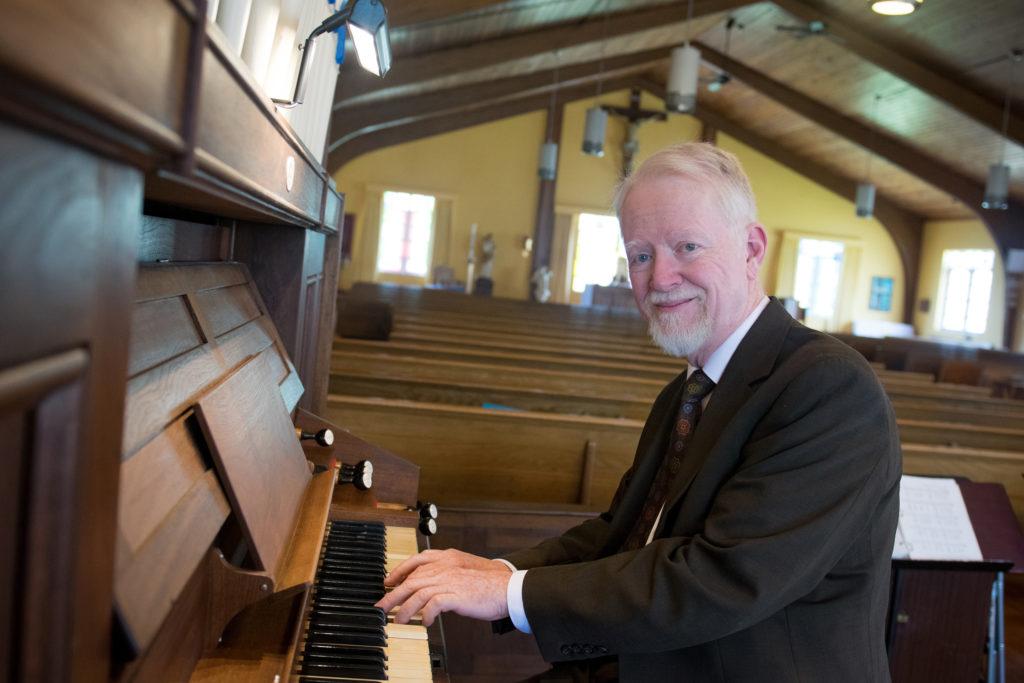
{"points": [[554, 95], [1015, 56], [871, 137], [604, 43], [689, 19]]}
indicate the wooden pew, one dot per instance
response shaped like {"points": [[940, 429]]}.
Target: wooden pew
{"points": [[528, 341], [532, 389], [472, 454], [550, 360], [438, 301], [981, 465]]}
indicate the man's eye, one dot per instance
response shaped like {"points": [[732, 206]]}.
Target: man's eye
{"points": [[690, 246], [641, 258]]}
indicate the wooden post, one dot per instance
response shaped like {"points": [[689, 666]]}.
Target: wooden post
{"points": [[587, 475], [709, 133], [544, 226]]}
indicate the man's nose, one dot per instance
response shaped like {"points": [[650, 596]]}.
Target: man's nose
{"points": [[665, 274]]}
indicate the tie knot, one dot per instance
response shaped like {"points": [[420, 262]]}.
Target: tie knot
{"points": [[698, 385]]}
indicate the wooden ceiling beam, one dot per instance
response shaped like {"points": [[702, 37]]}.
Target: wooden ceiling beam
{"points": [[948, 88], [446, 123], [352, 121], [905, 227], [1007, 230], [407, 12], [419, 68]]}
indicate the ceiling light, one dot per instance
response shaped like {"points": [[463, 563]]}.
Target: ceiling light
{"points": [[895, 8], [593, 134], [682, 79], [997, 187]]}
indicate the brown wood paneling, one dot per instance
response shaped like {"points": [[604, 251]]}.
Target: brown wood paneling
{"points": [[154, 480], [13, 427], [958, 622], [227, 308], [317, 390], [289, 268], [67, 278], [161, 330], [135, 78], [168, 239], [157, 572]]}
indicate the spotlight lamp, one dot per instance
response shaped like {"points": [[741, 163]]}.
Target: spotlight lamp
{"points": [[894, 8], [367, 22]]}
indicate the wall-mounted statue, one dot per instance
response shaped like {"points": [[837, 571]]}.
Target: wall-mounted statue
{"points": [[541, 281]]}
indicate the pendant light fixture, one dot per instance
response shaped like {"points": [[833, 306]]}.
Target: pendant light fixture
{"points": [[865, 199], [997, 187], [683, 73], [597, 118], [894, 8], [548, 166]]}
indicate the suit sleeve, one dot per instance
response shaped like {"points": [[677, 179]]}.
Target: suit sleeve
{"points": [[584, 541], [809, 480]]}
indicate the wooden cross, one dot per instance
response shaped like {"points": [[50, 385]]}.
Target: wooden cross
{"points": [[634, 116]]}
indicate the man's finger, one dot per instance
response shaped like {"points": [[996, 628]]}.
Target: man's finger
{"points": [[398, 574], [442, 602], [415, 603]]}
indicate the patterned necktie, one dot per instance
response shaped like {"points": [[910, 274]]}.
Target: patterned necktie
{"points": [[697, 387]]}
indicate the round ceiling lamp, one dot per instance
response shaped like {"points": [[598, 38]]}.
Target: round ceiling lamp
{"points": [[895, 7]]}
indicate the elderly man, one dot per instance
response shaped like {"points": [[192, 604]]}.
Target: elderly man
{"points": [[750, 540]]}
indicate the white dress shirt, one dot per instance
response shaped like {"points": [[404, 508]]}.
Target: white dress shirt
{"points": [[713, 368]]}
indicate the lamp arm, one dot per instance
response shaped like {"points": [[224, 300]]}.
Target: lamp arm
{"points": [[331, 23]]}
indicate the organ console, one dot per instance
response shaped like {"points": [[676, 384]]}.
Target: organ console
{"points": [[170, 508]]}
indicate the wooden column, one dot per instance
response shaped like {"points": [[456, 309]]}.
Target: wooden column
{"points": [[544, 226], [709, 133]]}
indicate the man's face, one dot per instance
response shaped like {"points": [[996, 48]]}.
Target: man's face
{"points": [[691, 271]]}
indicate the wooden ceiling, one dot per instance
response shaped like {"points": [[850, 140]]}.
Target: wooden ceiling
{"points": [[922, 95]]}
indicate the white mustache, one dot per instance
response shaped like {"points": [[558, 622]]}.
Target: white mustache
{"points": [[673, 297]]}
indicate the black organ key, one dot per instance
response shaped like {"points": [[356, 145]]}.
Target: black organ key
{"points": [[345, 634]]}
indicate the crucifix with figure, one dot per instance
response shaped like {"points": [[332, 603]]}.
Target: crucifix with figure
{"points": [[634, 116]]}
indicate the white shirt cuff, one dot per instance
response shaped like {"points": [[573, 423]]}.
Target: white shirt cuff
{"points": [[514, 596]]}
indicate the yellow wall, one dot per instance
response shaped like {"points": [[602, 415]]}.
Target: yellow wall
{"points": [[965, 234], [489, 171], [790, 202]]}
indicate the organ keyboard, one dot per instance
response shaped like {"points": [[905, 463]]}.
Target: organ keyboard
{"points": [[347, 638]]}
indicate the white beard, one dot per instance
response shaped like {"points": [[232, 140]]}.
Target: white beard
{"points": [[674, 336]]}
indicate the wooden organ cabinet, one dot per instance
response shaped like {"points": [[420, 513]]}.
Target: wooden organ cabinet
{"points": [[170, 254]]}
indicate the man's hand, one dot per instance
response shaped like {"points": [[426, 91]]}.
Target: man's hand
{"points": [[436, 581]]}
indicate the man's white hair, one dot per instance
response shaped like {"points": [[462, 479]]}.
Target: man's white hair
{"points": [[703, 163]]}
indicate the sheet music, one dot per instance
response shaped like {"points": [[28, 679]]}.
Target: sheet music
{"points": [[934, 524]]}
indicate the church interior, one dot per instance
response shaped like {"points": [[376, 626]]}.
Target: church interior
{"points": [[281, 274]]}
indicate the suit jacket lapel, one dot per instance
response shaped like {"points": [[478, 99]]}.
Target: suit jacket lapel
{"points": [[752, 361]]}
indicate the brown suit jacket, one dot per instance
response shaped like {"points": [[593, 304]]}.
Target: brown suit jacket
{"points": [[772, 559]]}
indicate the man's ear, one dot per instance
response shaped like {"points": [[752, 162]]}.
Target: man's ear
{"points": [[756, 245]]}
